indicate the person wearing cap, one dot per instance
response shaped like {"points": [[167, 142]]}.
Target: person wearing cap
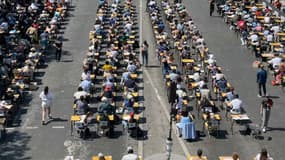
{"points": [[105, 106], [130, 155], [108, 93], [101, 156], [261, 78]]}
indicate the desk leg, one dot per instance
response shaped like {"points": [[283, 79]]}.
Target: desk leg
{"points": [[232, 127], [71, 128]]}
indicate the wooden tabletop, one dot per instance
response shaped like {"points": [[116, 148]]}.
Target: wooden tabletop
{"points": [[106, 158]]}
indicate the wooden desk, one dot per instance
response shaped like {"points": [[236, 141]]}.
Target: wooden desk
{"points": [[110, 117], [106, 158], [127, 117], [135, 94], [215, 116], [238, 117], [225, 158], [73, 119], [173, 67], [267, 55], [134, 76], [281, 34], [196, 158], [275, 44]]}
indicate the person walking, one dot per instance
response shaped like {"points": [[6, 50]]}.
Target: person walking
{"points": [[47, 99], [212, 7], [265, 109], [145, 53], [58, 47], [261, 78]]}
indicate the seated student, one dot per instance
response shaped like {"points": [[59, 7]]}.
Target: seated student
{"points": [[274, 62], [263, 155], [80, 93], [82, 106], [101, 156], [108, 93], [105, 106], [131, 67], [205, 91], [230, 95], [222, 84], [85, 75], [109, 83], [199, 155], [206, 105], [107, 67], [236, 105], [86, 85], [184, 120], [131, 155], [130, 84]]}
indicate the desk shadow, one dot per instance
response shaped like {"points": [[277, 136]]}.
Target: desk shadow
{"points": [[275, 129], [14, 146]]}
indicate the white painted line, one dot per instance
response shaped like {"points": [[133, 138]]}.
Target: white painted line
{"points": [[57, 127], [10, 128], [32, 127], [182, 143], [140, 143]]}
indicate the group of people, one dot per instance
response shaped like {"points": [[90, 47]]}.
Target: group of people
{"points": [[113, 28], [260, 28], [27, 31]]}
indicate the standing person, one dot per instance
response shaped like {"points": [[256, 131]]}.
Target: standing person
{"points": [[261, 80], [47, 100], [145, 53], [212, 6], [58, 47], [265, 109]]}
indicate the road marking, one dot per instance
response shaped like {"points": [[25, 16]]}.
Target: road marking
{"points": [[57, 127], [32, 127], [181, 142], [10, 128]]}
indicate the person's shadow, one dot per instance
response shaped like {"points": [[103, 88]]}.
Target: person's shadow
{"points": [[56, 119]]}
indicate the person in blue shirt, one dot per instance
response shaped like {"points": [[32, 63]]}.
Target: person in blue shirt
{"points": [[184, 120], [261, 78], [86, 85]]}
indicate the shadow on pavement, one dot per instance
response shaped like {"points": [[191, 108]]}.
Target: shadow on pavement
{"points": [[14, 146]]}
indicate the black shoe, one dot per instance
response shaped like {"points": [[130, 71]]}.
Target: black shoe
{"points": [[43, 123]]}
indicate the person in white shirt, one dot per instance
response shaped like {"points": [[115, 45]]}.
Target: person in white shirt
{"points": [[130, 155], [80, 93], [253, 38], [236, 105], [275, 62], [47, 100]]}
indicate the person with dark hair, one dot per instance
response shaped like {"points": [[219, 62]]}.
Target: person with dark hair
{"points": [[145, 53], [199, 154], [263, 155], [261, 78], [47, 100], [265, 109], [58, 47], [212, 6], [235, 156]]}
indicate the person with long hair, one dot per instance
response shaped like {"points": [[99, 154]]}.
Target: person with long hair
{"points": [[47, 99], [263, 155]]}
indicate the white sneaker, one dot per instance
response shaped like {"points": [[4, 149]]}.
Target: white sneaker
{"points": [[259, 96], [264, 130]]}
